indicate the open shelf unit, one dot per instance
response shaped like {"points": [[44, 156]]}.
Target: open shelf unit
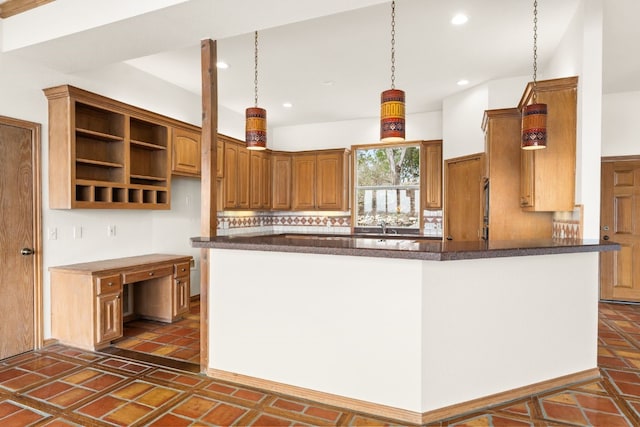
{"points": [[106, 154]]}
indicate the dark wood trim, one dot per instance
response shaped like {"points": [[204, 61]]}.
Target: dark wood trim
{"points": [[14, 7], [36, 132], [630, 158], [208, 199]]}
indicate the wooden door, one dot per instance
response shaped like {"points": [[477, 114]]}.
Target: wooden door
{"points": [[463, 198], [304, 182], [620, 223], [20, 237], [257, 172], [265, 200], [109, 322]]}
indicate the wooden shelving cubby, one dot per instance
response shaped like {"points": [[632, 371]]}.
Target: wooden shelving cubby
{"points": [[106, 154]]}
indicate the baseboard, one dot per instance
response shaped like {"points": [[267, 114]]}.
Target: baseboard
{"points": [[49, 341], [404, 415], [509, 396], [195, 298], [318, 396]]}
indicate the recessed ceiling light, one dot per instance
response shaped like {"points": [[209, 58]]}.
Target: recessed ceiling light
{"points": [[287, 105], [222, 65], [463, 82], [459, 19], [328, 82]]}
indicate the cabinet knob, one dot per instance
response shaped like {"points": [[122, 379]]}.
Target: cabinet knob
{"points": [[183, 269], [150, 274], [177, 282], [26, 251], [110, 284], [605, 237]]}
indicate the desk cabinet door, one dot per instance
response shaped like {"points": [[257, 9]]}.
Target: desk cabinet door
{"points": [[109, 317], [181, 296]]}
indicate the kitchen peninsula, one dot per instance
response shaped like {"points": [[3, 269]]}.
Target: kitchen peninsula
{"points": [[415, 330]]}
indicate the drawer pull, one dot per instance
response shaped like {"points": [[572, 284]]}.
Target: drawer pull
{"points": [[182, 269], [110, 284]]}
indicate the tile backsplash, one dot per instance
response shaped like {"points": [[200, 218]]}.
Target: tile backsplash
{"points": [[254, 222]]}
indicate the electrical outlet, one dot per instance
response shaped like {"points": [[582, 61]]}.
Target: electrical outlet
{"points": [[52, 233], [77, 232], [111, 231]]}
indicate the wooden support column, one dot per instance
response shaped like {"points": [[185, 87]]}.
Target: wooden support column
{"points": [[208, 216]]}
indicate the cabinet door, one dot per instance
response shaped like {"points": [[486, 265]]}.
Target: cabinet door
{"points": [[109, 318], [186, 152], [243, 178], [550, 172], [526, 178], [257, 178], [463, 202], [432, 176], [281, 194], [230, 176], [181, 296], [304, 182], [220, 159], [330, 188], [266, 181]]}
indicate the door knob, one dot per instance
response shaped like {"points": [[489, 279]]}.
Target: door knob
{"points": [[26, 251]]}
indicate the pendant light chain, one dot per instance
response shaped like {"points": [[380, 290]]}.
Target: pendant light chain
{"points": [[255, 79], [535, 47], [393, 44]]}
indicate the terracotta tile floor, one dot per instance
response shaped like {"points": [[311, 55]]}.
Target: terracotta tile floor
{"points": [[179, 340], [63, 386]]}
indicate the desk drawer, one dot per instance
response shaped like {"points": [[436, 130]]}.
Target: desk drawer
{"points": [[182, 269], [108, 284], [152, 273]]}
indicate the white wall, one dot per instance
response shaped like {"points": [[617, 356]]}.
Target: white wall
{"points": [[580, 53], [343, 134], [137, 231], [462, 120], [619, 117]]}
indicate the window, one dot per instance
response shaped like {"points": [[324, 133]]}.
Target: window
{"points": [[387, 187]]}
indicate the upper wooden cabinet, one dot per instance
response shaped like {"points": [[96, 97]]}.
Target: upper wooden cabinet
{"points": [[320, 180], [463, 200], [506, 220], [281, 181], [431, 174], [236, 175], [548, 175], [106, 154], [260, 179], [186, 151]]}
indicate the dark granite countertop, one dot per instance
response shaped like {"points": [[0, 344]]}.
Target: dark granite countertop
{"points": [[398, 246]]}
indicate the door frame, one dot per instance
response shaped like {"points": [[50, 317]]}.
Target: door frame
{"points": [[36, 132]]}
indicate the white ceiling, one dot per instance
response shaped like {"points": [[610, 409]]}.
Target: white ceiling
{"points": [[303, 44]]}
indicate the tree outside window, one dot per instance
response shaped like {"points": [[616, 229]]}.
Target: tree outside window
{"points": [[387, 186]]}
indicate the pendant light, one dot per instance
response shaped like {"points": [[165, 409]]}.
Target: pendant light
{"points": [[392, 100], [534, 115], [256, 117]]}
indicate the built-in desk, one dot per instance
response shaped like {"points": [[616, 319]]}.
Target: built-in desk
{"points": [[87, 298]]}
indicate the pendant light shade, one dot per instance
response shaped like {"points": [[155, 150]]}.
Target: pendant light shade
{"points": [[256, 128], [256, 117], [392, 100], [534, 116], [534, 127], [392, 115]]}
